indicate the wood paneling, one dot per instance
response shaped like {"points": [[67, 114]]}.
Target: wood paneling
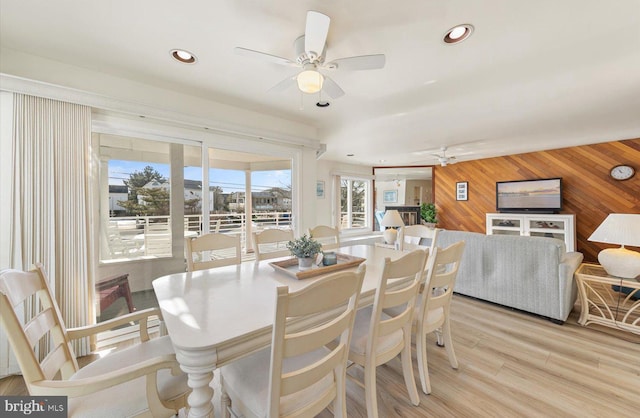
{"points": [[588, 190]]}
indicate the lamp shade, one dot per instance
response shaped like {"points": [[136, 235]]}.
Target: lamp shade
{"points": [[619, 228], [622, 229], [392, 218]]}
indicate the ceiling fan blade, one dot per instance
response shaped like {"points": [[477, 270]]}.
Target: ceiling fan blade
{"points": [[284, 84], [264, 56], [332, 88], [315, 34], [363, 62]]}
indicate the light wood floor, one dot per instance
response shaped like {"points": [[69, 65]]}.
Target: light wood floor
{"points": [[511, 365]]}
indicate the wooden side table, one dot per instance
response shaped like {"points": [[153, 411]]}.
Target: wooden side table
{"points": [[112, 288], [608, 300]]}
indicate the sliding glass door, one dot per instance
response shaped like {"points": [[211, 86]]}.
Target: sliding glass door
{"points": [[153, 194]]}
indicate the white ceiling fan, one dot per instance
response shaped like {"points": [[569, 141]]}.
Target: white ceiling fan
{"points": [[443, 159], [310, 56]]}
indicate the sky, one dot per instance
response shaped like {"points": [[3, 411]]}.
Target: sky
{"points": [[228, 180]]}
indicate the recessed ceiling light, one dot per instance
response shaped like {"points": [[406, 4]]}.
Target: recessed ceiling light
{"points": [[183, 56], [458, 33]]}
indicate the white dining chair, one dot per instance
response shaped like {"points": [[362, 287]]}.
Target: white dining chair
{"points": [[327, 236], [271, 243], [434, 307], [379, 337], [212, 250], [298, 376], [143, 379], [414, 236], [432, 312]]}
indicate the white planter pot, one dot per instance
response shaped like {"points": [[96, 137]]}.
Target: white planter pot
{"points": [[305, 263]]}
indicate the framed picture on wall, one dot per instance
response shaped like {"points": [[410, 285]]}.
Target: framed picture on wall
{"points": [[462, 190], [320, 189], [390, 196]]}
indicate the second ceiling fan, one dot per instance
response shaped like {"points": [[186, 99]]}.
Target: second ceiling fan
{"points": [[310, 56]]}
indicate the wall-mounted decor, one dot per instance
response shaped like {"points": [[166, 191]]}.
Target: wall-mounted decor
{"points": [[390, 196], [320, 189], [462, 190]]}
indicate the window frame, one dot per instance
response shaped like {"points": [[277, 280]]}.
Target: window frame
{"points": [[368, 200]]}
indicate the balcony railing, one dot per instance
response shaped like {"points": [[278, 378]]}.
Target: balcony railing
{"points": [[353, 220], [150, 236]]}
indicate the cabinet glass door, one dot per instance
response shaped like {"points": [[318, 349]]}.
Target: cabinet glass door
{"points": [[507, 222]]}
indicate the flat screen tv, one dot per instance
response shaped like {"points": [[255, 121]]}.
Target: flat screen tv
{"points": [[533, 196]]}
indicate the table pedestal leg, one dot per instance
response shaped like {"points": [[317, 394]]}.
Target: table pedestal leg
{"points": [[199, 366]]}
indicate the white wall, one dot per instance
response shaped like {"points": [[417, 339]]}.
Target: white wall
{"points": [[383, 186], [325, 169], [425, 192]]}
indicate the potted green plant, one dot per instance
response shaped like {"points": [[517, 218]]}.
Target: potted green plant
{"points": [[429, 214], [306, 249]]}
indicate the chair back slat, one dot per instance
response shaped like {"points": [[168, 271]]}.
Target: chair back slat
{"points": [[299, 343], [300, 305], [40, 325], [302, 378], [55, 362], [18, 286], [398, 297]]}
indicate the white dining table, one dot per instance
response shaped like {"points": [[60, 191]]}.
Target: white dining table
{"points": [[219, 315]]}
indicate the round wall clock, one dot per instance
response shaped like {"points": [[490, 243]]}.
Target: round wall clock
{"points": [[622, 172]]}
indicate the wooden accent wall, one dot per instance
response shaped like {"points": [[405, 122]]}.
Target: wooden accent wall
{"points": [[588, 190]]}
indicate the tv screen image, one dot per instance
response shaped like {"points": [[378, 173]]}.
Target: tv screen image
{"points": [[541, 195]]}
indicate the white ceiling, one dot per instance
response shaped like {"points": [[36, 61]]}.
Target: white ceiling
{"points": [[534, 75]]}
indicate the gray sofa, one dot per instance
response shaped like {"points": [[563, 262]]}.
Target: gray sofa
{"points": [[533, 274]]}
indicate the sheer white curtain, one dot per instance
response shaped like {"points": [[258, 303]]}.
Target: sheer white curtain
{"points": [[51, 208]]}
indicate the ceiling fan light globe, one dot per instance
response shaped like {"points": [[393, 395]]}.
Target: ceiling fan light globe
{"points": [[310, 81]]}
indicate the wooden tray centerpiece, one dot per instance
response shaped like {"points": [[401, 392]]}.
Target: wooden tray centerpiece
{"points": [[290, 266]]}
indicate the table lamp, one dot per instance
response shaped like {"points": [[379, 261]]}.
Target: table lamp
{"points": [[391, 219], [623, 229]]}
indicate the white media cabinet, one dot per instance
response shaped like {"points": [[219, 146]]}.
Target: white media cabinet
{"points": [[561, 227]]}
